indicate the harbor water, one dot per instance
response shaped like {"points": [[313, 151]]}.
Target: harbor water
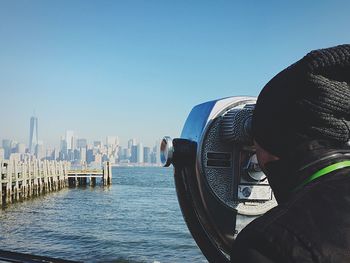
{"points": [[136, 219]]}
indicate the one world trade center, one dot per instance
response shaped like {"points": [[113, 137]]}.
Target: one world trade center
{"points": [[33, 135]]}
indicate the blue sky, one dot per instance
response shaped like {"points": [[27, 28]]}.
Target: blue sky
{"points": [[135, 68]]}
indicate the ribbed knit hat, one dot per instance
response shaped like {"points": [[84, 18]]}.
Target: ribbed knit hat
{"points": [[310, 100]]}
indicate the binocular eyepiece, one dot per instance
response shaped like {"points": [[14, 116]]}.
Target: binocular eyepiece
{"points": [[236, 125]]}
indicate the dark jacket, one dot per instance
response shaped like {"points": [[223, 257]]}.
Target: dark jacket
{"points": [[311, 224]]}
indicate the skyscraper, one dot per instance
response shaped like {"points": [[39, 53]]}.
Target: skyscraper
{"points": [[33, 134], [133, 157], [39, 150], [139, 150], [97, 144], [157, 151], [81, 143], [6, 144], [146, 154], [70, 140], [63, 149], [131, 142]]}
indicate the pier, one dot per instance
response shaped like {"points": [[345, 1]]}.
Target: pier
{"points": [[83, 177], [24, 180]]}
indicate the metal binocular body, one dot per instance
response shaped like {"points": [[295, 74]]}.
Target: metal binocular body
{"points": [[219, 183]]}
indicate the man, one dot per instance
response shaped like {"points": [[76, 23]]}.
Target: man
{"points": [[301, 127]]}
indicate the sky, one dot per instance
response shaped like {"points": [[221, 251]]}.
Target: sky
{"points": [[135, 68]]}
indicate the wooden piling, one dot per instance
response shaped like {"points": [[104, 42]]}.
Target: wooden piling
{"points": [[107, 173], [23, 180]]}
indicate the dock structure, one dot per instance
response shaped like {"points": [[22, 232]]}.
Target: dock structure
{"points": [[22, 180], [84, 176]]}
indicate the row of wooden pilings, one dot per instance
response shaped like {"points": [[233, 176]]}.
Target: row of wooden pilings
{"points": [[24, 180]]}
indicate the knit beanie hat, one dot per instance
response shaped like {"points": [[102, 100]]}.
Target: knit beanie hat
{"points": [[310, 100]]}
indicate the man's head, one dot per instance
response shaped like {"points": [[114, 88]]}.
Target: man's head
{"points": [[310, 100]]}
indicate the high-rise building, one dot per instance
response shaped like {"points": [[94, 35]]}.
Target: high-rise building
{"points": [[153, 157], [133, 157], [13, 146], [63, 149], [112, 147], [81, 143], [97, 144], [83, 155], [131, 142], [70, 155], [139, 153], [120, 154], [90, 156], [6, 145], [146, 154], [127, 153], [98, 159], [70, 140], [33, 134], [76, 155], [39, 150]]}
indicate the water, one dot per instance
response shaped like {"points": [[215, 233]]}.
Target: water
{"points": [[137, 219]]}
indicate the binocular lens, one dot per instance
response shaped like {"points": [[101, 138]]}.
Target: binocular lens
{"points": [[166, 151]]}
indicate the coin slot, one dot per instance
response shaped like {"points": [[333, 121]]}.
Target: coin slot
{"points": [[219, 159]]}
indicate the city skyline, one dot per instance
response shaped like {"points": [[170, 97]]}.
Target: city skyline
{"points": [[89, 141], [136, 68], [79, 151], [33, 136], [35, 139]]}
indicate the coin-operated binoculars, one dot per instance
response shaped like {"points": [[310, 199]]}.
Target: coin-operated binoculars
{"points": [[219, 184]]}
